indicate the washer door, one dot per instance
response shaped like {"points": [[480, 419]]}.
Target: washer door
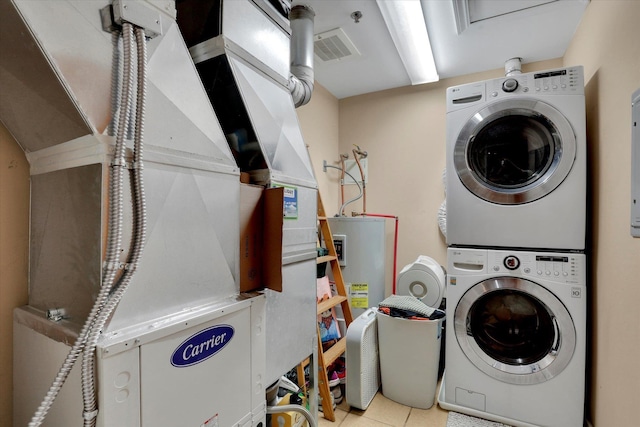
{"points": [[515, 330], [515, 151]]}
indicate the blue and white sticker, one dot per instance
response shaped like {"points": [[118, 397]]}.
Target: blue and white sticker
{"points": [[202, 345], [290, 208]]}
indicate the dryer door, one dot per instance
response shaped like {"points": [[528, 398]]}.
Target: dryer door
{"points": [[515, 330], [515, 151]]}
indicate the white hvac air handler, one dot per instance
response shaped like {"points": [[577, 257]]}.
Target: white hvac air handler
{"points": [[137, 313], [201, 368]]}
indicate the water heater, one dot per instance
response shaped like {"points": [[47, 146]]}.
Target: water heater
{"points": [[360, 244]]}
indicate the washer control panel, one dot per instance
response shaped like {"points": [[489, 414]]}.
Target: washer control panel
{"points": [[565, 268]]}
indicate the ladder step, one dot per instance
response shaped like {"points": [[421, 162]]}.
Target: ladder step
{"points": [[326, 258], [335, 351], [330, 303]]}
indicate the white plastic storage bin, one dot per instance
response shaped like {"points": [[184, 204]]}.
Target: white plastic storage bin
{"points": [[409, 357]]}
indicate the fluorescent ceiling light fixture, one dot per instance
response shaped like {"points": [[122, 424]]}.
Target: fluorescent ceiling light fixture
{"points": [[408, 29]]}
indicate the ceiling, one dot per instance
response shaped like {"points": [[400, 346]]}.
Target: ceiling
{"points": [[533, 30]]}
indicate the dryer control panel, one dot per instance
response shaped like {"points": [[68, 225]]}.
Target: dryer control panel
{"points": [[565, 81]]}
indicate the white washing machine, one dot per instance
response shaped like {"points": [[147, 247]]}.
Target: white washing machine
{"points": [[515, 339], [516, 162]]}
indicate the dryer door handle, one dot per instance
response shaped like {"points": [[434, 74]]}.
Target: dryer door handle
{"points": [[557, 339]]}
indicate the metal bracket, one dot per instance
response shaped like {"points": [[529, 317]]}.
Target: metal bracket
{"points": [[135, 12], [56, 314]]}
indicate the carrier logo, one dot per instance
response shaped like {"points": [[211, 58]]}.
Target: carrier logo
{"points": [[201, 346]]}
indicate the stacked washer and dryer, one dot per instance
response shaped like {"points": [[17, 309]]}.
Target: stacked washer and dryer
{"points": [[516, 269]]}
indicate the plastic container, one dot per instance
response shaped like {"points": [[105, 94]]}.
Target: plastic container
{"points": [[409, 358], [363, 361]]}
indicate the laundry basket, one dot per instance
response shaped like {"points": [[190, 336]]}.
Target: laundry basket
{"points": [[409, 356]]}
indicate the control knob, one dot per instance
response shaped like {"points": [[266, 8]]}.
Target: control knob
{"points": [[509, 85], [511, 262]]}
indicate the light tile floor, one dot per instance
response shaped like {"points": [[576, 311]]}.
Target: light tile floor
{"points": [[383, 412]]}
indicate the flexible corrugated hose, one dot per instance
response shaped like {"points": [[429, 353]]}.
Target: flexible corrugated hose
{"points": [[138, 233], [112, 289]]}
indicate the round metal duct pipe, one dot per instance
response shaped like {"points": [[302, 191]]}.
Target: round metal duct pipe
{"points": [[301, 81]]}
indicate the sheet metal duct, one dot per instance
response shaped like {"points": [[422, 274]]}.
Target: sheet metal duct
{"points": [[56, 101], [56, 82], [241, 49]]}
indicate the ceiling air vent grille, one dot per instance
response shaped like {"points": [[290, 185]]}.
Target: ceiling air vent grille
{"points": [[334, 45]]}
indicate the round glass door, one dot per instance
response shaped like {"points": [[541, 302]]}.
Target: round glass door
{"points": [[514, 151], [515, 330]]}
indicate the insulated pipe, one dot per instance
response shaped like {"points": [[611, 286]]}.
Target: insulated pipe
{"points": [[301, 50]]}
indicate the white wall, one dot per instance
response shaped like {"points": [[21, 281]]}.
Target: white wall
{"points": [[319, 122], [607, 44]]}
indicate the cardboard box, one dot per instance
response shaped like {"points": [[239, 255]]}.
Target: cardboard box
{"points": [[261, 221], [290, 418]]}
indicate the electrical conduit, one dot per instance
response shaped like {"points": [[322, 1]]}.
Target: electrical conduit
{"points": [[138, 234], [111, 291]]}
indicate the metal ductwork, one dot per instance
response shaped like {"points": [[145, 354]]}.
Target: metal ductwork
{"points": [[302, 78], [248, 80], [218, 103], [58, 71], [57, 92]]}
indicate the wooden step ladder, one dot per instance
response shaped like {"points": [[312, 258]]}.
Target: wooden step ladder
{"points": [[326, 358]]}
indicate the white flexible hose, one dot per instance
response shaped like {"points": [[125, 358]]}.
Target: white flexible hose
{"points": [[442, 210], [442, 218]]}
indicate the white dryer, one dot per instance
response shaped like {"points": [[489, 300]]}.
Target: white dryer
{"points": [[516, 162], [516, 335]]}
